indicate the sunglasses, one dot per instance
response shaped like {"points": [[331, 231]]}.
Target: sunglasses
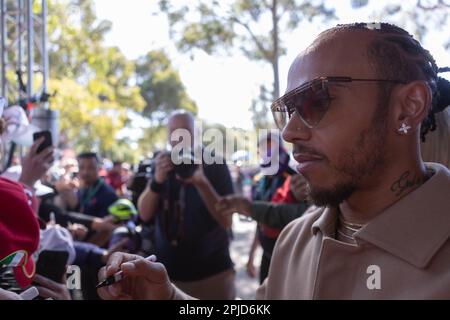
{"points": [[311, 100]]}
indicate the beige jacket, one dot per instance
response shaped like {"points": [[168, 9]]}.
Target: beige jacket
{"points": [[404, 253]]}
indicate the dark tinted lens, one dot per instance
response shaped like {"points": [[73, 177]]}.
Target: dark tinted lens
{"points": [[281, 113], [311, 104], [280, 118]]}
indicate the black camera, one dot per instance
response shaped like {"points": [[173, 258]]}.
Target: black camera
{"points": [[140, 178], [186, 167]]}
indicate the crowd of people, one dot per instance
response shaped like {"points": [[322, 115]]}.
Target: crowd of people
{"points": [[364, 108]]}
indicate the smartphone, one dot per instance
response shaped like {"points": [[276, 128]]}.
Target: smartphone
{"points": [[48, 142], [52, 264]]}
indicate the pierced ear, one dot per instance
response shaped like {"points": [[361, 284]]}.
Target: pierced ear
{"points": [[414, 103]]}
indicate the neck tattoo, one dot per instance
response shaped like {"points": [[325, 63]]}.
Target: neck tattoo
{"points": [[408, 182]]}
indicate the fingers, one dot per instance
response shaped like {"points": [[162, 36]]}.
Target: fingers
{"points": [[159, 157], [117, 259], [132, 266], [50, 289], [152, 271], [113, 292], [164, 162], [166, 167], [114, 263], [46, 282], [235, 203], [162, 158], [107, 293], [36, 145], [45, 156], [102, 274]]}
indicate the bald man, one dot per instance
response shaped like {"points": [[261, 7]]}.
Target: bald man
{"points": [[191, 235]]}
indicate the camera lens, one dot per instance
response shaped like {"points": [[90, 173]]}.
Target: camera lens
{"points": [[187, 166]]}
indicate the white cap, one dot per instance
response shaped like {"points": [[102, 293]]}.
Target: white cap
{"points": [[18, 128], [59, 239]]}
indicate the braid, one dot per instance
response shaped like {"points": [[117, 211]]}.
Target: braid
{"points": [[397, 55]]}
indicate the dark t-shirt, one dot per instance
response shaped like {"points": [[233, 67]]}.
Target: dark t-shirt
{"points": [[188, 240], [95, 200]]}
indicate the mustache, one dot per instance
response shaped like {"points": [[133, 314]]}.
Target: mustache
{"points": [[308, 150]]}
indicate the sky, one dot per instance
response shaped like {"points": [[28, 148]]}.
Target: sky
{"points": [[223, 87]]}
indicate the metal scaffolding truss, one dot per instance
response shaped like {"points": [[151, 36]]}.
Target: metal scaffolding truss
{"points": [[23, 48]]}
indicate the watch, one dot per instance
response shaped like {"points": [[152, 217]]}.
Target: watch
{"points": [[156, 187]]}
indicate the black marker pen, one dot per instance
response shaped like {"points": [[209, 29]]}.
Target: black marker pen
{"points": [[116, 277]]}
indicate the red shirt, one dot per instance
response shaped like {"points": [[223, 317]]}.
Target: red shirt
{"points": [[114, 179]]}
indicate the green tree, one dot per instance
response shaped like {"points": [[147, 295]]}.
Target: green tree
{"points": [[154, 138], [97, 88], [260, 108], [161, 87], [75, 38], [256, 27], [92, 81]]}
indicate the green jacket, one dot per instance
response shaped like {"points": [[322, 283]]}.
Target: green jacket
{"points": [[277, 215]]}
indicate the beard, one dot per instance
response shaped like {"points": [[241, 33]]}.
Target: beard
{"points": [[359, 162]]}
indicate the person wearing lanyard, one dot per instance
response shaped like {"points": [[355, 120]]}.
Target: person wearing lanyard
{"points": [[92, 199], [88, 194], [95, 196]]}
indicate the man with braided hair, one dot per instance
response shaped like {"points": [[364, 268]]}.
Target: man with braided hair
{"points": [[359, 101]]}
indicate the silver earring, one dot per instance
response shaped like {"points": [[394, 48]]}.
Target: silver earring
{"points": [[404, 128]]}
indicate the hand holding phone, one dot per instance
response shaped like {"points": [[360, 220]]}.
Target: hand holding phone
{"points": [[50, 274], [52, 264], [38, 159], [48, 142]]}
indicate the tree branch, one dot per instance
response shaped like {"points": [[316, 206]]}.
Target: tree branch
{"points": [[253, 36], [438, 5], [266, 4]]}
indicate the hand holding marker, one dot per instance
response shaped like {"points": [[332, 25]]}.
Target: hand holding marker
{"points": [[119, 275]]}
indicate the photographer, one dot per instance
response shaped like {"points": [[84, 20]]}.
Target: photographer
{"points": [[191, 236]]}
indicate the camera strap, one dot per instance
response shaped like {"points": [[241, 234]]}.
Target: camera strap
{"points": [[173, 215]]}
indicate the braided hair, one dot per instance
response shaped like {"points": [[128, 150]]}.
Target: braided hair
{"points": [[397, 55]]}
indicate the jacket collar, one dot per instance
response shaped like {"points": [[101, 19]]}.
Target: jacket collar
{"points": [[413, 229]]}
